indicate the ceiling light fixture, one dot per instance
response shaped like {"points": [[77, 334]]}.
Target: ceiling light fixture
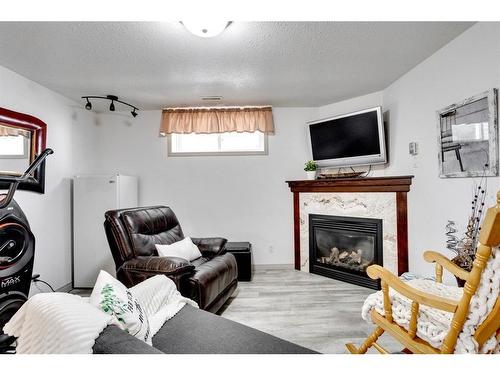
{"points": [[113, 99], [205, 29]]}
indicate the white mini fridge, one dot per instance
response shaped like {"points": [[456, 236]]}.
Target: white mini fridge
{"points": [[93, 195]]}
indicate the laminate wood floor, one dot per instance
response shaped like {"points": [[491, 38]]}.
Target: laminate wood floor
{"points": [[310, 310]]}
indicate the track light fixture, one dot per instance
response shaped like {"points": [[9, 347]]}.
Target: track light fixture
{"points": [[113, 99], [88, 106]]}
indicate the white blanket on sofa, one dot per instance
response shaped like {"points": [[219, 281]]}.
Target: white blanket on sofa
{"points": [[160, 300], [67, 324], [56, 323]]}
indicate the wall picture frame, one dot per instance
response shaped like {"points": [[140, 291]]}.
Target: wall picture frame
{"points": [[468, 137]]}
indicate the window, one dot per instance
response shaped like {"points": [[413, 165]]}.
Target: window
{"points": [[232, 143], [13, 147]]}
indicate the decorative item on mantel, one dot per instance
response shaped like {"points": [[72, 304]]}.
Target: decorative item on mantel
{"points": [[324, 175], [465, 247], [310, 168]]}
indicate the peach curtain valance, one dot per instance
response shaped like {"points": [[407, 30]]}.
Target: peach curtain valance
{"points": [[6, 131], [217, 120]]}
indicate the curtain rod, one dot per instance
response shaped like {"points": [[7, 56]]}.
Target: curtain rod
{"points": [[217, 108]]}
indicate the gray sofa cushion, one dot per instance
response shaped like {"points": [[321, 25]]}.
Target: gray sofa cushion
{"points": [[114, 340], [194, 331]]}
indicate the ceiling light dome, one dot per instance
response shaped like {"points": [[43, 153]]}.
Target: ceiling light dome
{"points": [[205, 29]]}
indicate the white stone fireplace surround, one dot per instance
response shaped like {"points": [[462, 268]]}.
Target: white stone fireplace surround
{"points": [[375, 198], [363, 205]]}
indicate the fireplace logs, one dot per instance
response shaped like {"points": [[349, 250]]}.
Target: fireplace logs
{"points": [[352, 259]]}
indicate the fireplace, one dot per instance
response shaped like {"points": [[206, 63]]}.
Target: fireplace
{"points": [[343, 247]]}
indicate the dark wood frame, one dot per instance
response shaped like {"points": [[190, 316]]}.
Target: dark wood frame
{"points": [[396, 184], [38, 130]]}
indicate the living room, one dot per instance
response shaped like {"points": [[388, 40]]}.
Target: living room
{"points": [[133, 111]]}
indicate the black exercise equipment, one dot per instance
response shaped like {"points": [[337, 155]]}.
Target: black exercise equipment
{"points": [[17, 250]]}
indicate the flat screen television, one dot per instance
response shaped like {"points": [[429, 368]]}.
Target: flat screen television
{"points": [[355, 138]]}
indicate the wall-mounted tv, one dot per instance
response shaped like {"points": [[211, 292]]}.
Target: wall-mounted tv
{"points": [[355, 138]]}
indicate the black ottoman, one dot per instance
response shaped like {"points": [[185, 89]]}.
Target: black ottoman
{"points": [[242, 251]]}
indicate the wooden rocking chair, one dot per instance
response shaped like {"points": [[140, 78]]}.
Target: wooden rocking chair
{"points": [[489, 237]]}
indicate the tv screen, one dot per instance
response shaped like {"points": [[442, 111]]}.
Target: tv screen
{"points": [[352, 139]]}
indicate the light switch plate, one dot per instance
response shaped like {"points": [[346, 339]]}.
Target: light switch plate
{"points": [[413, 148]]}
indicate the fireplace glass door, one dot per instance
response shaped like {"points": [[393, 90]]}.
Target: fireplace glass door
{"points": [[343, 247]]}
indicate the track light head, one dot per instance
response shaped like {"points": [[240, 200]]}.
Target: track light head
{"points": [[134, 113], [112, 106], [88, 106]]}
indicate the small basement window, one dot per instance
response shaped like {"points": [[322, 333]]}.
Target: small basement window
{"points": [[231, 143], [13, 147]]}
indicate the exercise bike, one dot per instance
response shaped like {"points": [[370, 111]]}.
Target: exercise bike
{"points": [[17, 251]]}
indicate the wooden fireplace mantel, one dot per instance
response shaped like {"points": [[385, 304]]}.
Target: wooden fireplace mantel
{"points": [[347, 185], [400, 185]]}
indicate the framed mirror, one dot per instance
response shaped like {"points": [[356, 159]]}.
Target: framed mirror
{"points": [[22, 138], [468, 137]]}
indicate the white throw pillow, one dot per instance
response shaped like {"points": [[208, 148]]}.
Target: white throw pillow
{"points": [[185, 249], [112, 297]]}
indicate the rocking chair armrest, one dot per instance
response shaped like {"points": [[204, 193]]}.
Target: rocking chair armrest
{"points": [[427, 299], [435, 257]]}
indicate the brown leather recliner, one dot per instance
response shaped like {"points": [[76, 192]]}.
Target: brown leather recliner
{"points": [[132, 234]]}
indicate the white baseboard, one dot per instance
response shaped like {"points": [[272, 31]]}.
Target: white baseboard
{"points": [[65, 288], [273, 266]]}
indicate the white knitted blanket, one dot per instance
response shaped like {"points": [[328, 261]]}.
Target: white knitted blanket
{"points": [[53, 323], [67, 324], [434, 324]]}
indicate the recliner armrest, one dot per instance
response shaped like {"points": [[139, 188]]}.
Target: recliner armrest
{"points": [[210, 246], [158, 265]]}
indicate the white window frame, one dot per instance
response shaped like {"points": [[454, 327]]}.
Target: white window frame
{"points": [[216, 153]]}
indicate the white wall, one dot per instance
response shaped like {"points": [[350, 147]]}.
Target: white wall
{"points": [[242, 198], [350, 105], [466, 66], [69, 133]]}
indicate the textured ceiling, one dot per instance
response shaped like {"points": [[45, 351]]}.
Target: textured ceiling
{"points": [[154, 65]]}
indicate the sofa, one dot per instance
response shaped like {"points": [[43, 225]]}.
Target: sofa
{"points": [[194, 331], [132, 234]]}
